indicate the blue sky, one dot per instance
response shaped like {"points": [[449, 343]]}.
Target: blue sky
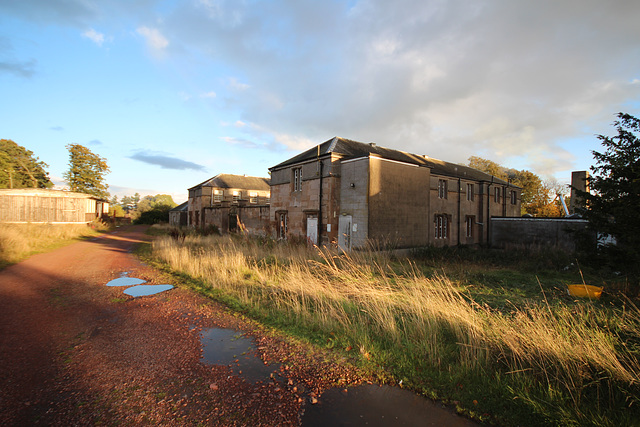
{"points": [[174, 92]]}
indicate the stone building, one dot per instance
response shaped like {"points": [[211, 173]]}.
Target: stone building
{"points": [[355, 194], [178, 216], [230, 202]]}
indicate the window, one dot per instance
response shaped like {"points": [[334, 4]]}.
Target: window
{"points": [[470, 192], [236, 196], [282, 225], [253, 197], [470, 220], [442, 189], [514, 197], [217, 196], [441, 226], [496, 196], [297, 179]]}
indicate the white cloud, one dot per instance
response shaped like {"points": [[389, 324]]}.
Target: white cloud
{"points": [[235, 84], [155, 40], [208, 95], [93, 35]]}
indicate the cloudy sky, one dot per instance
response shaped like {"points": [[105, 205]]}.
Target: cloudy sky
{"points": [[173, 92]]}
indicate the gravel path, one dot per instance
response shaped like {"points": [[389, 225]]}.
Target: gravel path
{"points": [[76, 352]]}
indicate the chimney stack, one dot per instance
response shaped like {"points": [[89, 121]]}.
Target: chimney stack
{"points": [[579, 181]]}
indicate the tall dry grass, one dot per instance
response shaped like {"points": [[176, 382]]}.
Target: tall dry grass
{"points": [[364, 299], [18, 241]]}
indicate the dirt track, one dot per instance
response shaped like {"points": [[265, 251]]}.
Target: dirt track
{"points": [[76, 352]]}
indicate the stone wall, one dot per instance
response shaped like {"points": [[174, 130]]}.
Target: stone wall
{"points": [[252, 219], [535, 232], [398, 203]]}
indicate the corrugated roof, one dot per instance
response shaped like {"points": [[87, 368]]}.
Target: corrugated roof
{"points": [[350, 149], [46, 192], [241, 182]]}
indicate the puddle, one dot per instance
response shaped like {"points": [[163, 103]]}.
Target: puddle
{"points": [[372, 405], [225, 346], [125, 281], [144, 290]]}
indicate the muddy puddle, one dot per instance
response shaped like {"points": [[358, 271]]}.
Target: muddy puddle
{"points": [[135, 287], [230, 347], [125, 281], [373, 405], [145, 290]]}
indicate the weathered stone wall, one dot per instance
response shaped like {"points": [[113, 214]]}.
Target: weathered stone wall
{"points": [[354, 198], [252, 219], [178, 218], [398, 203], [299, 205], [535, 232]]}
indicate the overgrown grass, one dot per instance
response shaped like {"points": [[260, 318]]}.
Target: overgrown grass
{"points": [[520, 359], [19, 241]]}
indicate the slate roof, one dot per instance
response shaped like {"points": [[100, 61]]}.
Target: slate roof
{"points": [[350, 149], [184, 207], [241, 182]]}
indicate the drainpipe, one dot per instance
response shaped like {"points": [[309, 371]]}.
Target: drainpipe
{"points": [[504, 200], [320, 201], [459, 211], [488, 219]]}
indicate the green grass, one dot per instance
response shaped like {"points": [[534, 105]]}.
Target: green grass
{"points": [[492, 333]]}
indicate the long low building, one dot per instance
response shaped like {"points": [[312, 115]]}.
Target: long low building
{"points": [[355, 194], [38, 205]]}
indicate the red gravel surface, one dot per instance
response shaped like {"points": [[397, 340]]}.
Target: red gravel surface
{"points": [[76, 352]]}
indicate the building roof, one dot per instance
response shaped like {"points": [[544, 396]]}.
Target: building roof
{"points": [[349, 149], [241, 182], [181, 208], [45, 192]]}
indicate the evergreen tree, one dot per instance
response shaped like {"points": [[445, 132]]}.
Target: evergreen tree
{"points": [[86, 171], [613, 201]]}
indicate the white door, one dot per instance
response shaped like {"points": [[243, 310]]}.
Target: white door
{"points": [[312, 230], [344, 232]]}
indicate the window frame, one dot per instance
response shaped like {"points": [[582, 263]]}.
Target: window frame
{"points": [[297, 178], [470, 193], [470, 221], [442, 189], [496, 196], [282, 225], [441, 224]]}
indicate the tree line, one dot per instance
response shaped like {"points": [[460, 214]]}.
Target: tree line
{"points": [[145, 210], [611, 205], [538, 197], [20, 168]]}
